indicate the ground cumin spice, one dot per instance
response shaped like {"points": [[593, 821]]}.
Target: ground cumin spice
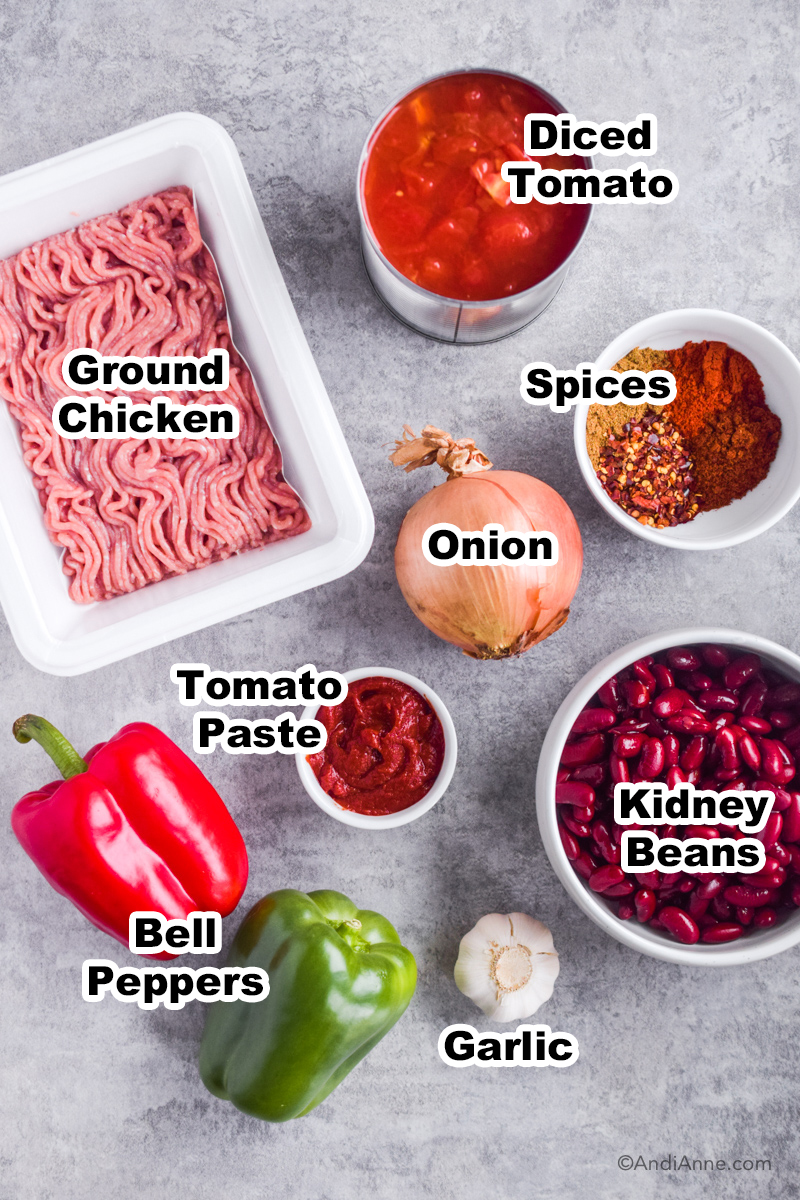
{"points": [[724, 425]]}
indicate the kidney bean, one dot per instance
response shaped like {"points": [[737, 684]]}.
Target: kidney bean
{"points": [[688, 722], [594, 720], [663, 676], [755, 724], [792, 740], [645, 902], [694, 752], [780, 855], [716, 657], [602, 836], [721, 698], [721, 909], [783, 718], [783, 695], [571, 847], [574, 792], [794, 894], [794, 865], [619, 769], [696, 906], [641, 670], [665, 831], [651, 762], [675, 777], [628, 745], [771, 831], [655, 923], [585, 864], [636, 693], [682, 658], [625, 911], [610, 695], [725, 742], [679, 924], [724, 774], [669, 702], [606, 877], [788, 761], [700, 681], [782, 799], [791, 819], [633, 725], [562, 775], [592, 773], [743, 896], [585, 750], [583, 814], [740, 670], [764, 918], [710, 888], [753, 699], [620, 889], [648, 879], [722, 721], [707, 832], [716, 935], [744, 915], [766, 879], [749, 751], [672, 750], [579, 828]]}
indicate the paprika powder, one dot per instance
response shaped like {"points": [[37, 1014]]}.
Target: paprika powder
{"points": [[721, 411]]}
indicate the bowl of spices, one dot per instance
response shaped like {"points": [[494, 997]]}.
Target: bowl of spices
{"points": [[718, 465], [390, 753]]}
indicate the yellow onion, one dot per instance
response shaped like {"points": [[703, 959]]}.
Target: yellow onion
{"points": [[489, 610]]}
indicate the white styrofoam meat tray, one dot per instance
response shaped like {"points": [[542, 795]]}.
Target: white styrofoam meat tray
{"points": [[53, 632]]}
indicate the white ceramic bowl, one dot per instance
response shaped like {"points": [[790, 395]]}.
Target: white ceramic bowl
{"points": [[780, 374], [388, 820], [752, 946]]}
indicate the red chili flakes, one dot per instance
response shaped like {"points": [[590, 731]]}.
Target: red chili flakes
{"points": [[649, 473]]}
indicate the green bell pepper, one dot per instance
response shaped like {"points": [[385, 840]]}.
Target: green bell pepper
{"points": [[338, 978]]}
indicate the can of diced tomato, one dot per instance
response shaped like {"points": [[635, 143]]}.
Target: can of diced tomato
{"points": [[446, 249]]}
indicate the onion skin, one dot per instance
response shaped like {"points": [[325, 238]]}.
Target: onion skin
{"points": [[490, 611]]}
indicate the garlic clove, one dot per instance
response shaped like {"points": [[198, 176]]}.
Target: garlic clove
{"points": [[507, 965]]}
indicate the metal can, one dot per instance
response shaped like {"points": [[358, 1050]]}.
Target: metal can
{"points": [[440, 317]]}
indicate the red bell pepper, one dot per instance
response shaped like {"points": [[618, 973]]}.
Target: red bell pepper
{"points": [[134, 826]]}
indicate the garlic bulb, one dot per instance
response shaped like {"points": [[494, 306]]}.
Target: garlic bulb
{"points": [[507, 965]]}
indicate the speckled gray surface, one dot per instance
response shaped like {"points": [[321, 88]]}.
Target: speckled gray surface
{"points": [[106, 1100]]}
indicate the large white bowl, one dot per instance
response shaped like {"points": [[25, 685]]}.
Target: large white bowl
{"points": [[386, 820], [752, 946], [780, 374], [65, 638]]}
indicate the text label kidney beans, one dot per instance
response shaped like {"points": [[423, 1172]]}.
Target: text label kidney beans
{"points": [[709, 716]]}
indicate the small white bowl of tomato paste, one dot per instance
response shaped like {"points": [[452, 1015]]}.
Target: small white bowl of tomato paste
{"points": [[390, 753]]}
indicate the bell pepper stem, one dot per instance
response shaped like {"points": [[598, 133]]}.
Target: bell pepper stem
{"points": [[65, 756]]}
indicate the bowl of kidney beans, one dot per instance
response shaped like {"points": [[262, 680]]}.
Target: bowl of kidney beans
{"points": [[711, 707]]}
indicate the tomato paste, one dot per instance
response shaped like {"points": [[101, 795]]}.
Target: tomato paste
{"points": [[385, 747], [435, 200]]}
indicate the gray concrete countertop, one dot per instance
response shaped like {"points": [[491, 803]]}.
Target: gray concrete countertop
{"points": [[106, 1100]]}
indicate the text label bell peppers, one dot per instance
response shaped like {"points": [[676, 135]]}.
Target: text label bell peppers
{"points": [[338, 979], [133, 826]]}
